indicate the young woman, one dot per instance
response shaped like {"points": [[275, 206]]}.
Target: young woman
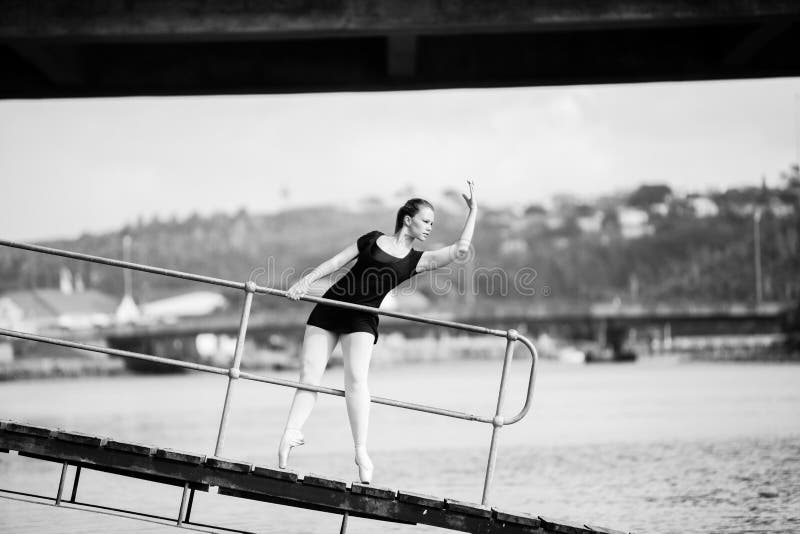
{"points": [[384, 261]]}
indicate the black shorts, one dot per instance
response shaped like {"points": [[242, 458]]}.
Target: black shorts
{"points": [[343, 321]]}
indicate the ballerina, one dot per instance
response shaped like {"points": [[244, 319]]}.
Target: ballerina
{"points": [[383, 262]]}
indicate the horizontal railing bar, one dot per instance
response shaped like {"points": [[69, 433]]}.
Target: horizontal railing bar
{"points": [[27, 494], [399, 315], [125, 264], [248, 376], [114, 352], [377, 400], [257, 289]]}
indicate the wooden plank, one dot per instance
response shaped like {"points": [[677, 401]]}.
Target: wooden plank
{"points": [[28, 429], [603, 530], [180, 456], [468, 508], [228, 465], [44, 457], [170, 481], [322, 482], [102, 457], [277, 474], [133, 448], [420, 499], [561, 526], [373, 491], [276, 499], [77, 437], [517, 518]]}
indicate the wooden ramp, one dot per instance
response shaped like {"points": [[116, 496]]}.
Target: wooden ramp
{"points": [[198, 473]]}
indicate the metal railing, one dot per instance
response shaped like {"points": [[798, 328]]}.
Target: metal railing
{"points": [[250, 288]]}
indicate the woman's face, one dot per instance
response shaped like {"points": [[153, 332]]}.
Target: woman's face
{"points": [[421, 224]]}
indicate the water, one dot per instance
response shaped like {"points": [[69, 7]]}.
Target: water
{"points": [[656, 446]]}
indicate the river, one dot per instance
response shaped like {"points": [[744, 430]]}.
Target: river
{"points": [[656, 446]]}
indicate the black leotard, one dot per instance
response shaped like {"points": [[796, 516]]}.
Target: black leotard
{"points": [[374, 274]]}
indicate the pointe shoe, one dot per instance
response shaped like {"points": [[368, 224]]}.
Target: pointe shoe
{"points": [[292, 437], [365, 467]]}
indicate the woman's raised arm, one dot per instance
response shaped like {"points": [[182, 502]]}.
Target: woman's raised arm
{"points": [[435, 259]]}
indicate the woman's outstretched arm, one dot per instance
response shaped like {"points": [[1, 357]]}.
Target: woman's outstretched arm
{"points": [[435, 259], [331, 265]]}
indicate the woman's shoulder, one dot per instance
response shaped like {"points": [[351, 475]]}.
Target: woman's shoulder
{"points": [[369, 236]]}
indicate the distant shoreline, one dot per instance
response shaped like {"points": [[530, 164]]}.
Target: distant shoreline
{"points": [[390, 353]]}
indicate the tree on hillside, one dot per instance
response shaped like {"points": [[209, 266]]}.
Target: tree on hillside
{"points": [[647, 195]]}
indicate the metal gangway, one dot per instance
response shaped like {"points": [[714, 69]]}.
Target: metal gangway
{"points": [[234, 374]]}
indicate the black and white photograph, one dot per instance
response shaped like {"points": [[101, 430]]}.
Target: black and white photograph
{"points": [[507, 267]]}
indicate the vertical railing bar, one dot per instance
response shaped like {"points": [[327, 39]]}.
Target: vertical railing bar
{"points": [[233, 372], [182, 509], [75, 484], [189, 507], [497, 422], [61, 483]]}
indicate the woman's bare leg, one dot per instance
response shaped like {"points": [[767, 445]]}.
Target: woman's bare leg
{"points": [[318, 344], [357, 351]]}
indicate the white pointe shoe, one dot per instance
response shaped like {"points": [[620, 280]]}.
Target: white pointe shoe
{"points": [[365, 467], [292, 437]]}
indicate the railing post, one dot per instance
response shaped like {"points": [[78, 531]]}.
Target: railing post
{"points": [[182, 509], [61, 483], [233, 372], [498, 421], [75, 484]]}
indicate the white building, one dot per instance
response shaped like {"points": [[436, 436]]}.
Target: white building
{"points": [[38, 310], [190, 304], [633, 222], [703, 207]]}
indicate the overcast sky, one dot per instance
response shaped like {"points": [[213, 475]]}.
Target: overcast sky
{"points": [[91, 165]]}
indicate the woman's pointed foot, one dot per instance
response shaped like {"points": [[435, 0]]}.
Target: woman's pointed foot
{"points": [[292, 437], [365, 466]]}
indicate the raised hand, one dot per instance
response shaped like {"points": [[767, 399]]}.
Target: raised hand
{"points": [[471, 202]]}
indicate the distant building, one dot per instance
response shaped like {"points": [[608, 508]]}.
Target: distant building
{"points": [[780, 208], [703, 206], [187, 304], [38, 310], [591, 223], [127, 311], [633, 222], [660, 208]]}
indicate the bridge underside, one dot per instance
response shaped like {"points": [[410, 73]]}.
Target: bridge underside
{"points": [[81, 49]]}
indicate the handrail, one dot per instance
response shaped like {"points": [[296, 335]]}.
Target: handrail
{"points": [[242, 374], [250, 288], [243, 286]]}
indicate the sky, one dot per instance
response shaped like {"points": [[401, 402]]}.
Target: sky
{"points": [[93, 165]]}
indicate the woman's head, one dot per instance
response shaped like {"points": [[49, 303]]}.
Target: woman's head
{"points": [[417, 214]]}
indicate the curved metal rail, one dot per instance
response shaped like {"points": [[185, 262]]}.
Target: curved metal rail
{"points": [[250, 288]]}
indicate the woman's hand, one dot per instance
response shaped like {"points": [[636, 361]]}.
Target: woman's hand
{"points": [[299, 289], [471, 202]]}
